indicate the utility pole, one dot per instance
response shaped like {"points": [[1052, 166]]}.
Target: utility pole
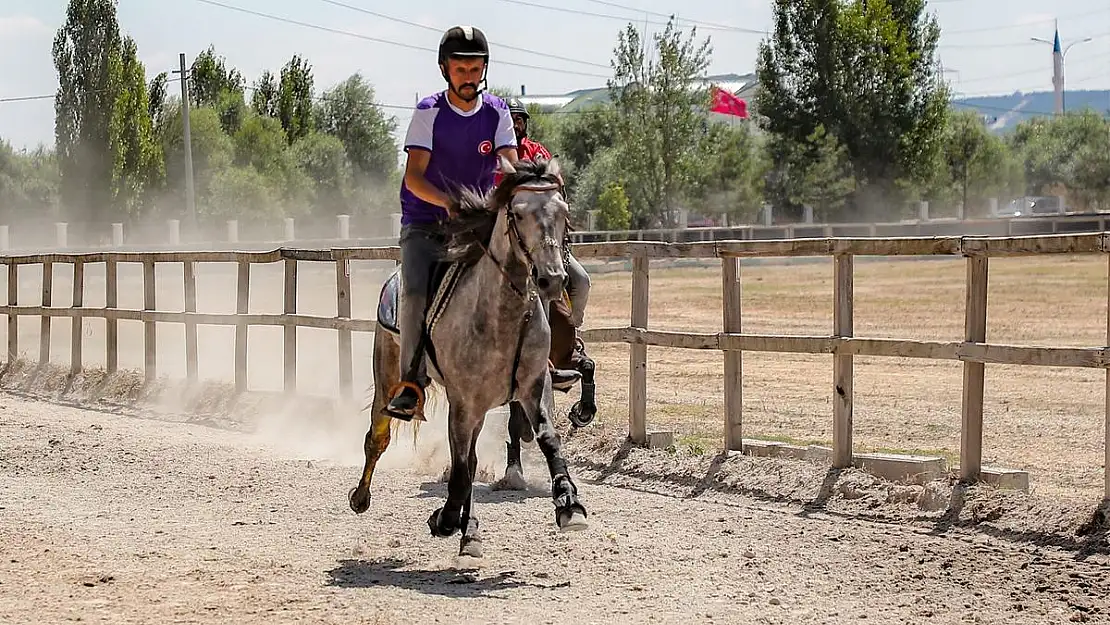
{"points": [[190, 199]]}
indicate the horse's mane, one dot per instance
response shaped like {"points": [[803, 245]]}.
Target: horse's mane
{"points": [[470, 230]]}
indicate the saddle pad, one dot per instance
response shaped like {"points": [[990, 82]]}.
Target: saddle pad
{"points": [[387, 301], [390, 297]]}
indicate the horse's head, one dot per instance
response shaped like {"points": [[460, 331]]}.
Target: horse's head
{"points": [[531, 194]]}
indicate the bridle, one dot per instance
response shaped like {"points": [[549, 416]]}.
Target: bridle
{"points": [[513, 231]]}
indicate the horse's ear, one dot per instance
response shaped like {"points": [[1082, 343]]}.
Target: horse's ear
{"points": [[554, 168], [505, 166]]}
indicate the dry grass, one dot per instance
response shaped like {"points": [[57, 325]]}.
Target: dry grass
{"points": [[1048, 421]]}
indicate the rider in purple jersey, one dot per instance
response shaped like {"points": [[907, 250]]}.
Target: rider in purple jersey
{"points": [[454, 139]]}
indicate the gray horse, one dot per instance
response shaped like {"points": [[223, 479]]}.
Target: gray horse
{"points": [[488, 339]]}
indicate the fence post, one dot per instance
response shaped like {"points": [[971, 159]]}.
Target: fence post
{"points": [[290, 328], [13, 319], [290, 231], [232, 230], [45, 322], [923, 211], [111, 324], [343, 311], [843, 326], [175, 231], [344, 222], [188, 272], [242, 306], [395, 222], [1106, 420], [734, 369], [117, 234], [637, 374], [77, 327], [975, 331], [150, 337], [61, 234], [5, 241]]}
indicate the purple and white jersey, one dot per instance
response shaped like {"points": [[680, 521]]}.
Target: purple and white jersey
{"points": [[463, 144]]}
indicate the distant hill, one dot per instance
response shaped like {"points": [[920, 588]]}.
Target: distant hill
{"points": [[1004, 112]]}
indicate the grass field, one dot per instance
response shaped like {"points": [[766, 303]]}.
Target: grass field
{"points": [[1046, 420]]}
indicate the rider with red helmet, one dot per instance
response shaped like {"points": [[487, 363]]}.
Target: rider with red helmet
{"points": [[578, 281]]}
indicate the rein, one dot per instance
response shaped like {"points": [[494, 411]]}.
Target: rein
{"points": [[513, 231]]}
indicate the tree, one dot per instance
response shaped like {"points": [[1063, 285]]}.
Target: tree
{"points": [[581, 135], [323, 159], [348, 112], [865, 72], [157, 99], [976, 160], [264, 101], [28, 183], [212, 84], [294, 102], [1066, 154], [213, 152], [87, 58], [814, 172], [137, 156], [727, 181], [659, 112], [612, 209]]}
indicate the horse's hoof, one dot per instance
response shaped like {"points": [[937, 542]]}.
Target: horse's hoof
{"points": [[470, 548], [513, 480], [580, 417], [437, 530], [359, 500], [571, 519]]}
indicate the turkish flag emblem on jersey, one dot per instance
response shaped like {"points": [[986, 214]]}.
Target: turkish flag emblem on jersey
{"points": [[485, 147]]}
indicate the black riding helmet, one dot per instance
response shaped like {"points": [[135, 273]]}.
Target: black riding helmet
{"points": [[462, 42], [516, 107]]}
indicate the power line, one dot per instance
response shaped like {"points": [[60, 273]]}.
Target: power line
{"points": [[626, 20], [701, 23], [439, 30], [1011, 26], [336, 31]]}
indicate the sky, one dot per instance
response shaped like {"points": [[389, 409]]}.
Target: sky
{"points": [[985, 44]]}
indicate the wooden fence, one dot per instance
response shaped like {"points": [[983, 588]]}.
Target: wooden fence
{"points": [[974, 351]]}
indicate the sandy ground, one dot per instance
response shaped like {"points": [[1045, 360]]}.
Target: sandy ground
{"points": [[901, 404], [108, 518]]}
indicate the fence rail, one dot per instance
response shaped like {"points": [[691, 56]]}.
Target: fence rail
{"points": [[974, 351]]}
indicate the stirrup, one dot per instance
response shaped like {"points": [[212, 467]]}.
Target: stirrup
{"points": [[417, 413]]}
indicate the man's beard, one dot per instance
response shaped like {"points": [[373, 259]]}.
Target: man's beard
{"points": [[459, 90]]}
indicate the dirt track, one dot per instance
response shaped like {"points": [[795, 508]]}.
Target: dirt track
{"points": [[109, 518]]}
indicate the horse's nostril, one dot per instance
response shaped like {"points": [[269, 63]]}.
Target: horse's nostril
{"points": [[544, 283]]}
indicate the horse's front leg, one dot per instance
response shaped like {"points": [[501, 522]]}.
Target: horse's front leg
{"points": [[463, 426], [470, 545], [570, 514]]}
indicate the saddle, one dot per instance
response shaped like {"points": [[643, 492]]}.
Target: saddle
{"points": [[442, 284]]}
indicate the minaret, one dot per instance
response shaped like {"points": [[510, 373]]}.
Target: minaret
{"points": [[1058, 71]]}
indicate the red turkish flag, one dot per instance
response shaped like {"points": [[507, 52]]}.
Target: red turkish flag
{"points": [[726, 103]]}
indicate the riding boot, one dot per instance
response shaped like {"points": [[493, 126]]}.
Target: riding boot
{"points": [[563, 379]]}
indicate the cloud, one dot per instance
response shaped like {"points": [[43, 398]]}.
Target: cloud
{"points": [[22, 27], [1033, 18]]}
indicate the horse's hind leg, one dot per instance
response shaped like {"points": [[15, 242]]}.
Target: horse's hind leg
{"points": [[570, 514], [386, 374], [519, 429]]}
